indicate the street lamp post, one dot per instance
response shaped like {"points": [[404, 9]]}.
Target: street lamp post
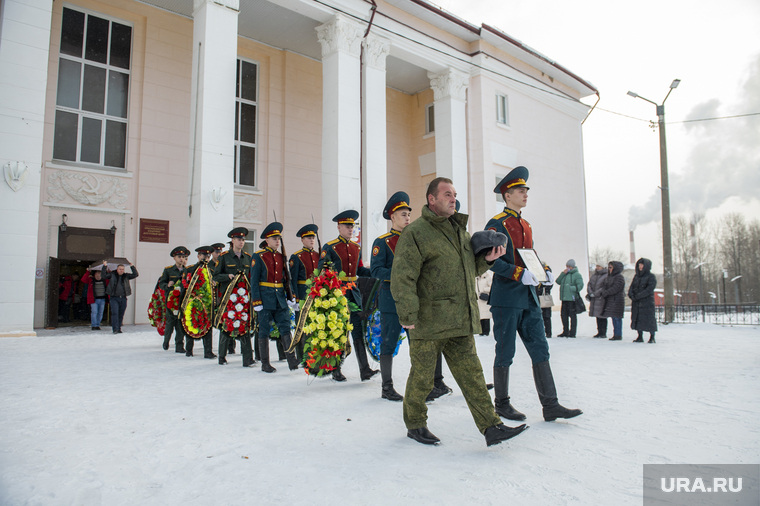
{"points": [[667, 256], [736, 287], [699, 266]]}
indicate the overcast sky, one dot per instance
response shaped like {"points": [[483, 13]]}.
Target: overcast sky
{"points": [[713, 47]]}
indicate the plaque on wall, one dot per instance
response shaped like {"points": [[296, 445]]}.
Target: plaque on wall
{"points": [[154, 230], [85, 243]]}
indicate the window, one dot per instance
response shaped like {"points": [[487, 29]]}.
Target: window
{"points": [[93, 90], [251, 242], [246, 107], [499, 198], [430, 119], [502, 109]]}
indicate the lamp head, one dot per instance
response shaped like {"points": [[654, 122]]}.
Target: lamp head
{"points": [[632, 94], [675, 84]]}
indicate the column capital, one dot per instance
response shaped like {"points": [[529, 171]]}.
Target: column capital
{"points": [[376, 49], [340, 34], [230, 4], [450, 83]]}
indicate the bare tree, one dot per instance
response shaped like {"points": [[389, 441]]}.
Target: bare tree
{"points": [[733, 245], [603, 256]]}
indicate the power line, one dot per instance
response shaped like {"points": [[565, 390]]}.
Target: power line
{"points": [[718, 117]]}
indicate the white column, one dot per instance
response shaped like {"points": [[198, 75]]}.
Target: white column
{"points": [[24, 54], [375, 170], [449, 90], [212, 119], [341, 119]]}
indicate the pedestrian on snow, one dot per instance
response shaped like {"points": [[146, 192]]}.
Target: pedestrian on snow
{"points": [[570, 284], [612, 298], [595, 301], [433, 284], [641, 293], [483, 286], [545, 288], [118, 290], [96, 296]]}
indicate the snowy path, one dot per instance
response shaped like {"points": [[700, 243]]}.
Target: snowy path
{"points": [[92, 419]]}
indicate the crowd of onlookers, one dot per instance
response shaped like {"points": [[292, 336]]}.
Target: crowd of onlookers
{"points": [[605, 294]]}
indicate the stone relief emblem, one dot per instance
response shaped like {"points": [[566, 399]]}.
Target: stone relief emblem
{"points": [[246, 208], [15, 174], [87, 189]]}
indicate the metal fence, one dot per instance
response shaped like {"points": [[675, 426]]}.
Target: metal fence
{"points": [[720, 314]]}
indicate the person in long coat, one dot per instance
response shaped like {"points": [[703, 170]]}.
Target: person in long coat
{"points": [[595, 302], [483, 285], [611, 300], [641, 293]]}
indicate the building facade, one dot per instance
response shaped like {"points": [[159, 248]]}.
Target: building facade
{"points": [[130, 127]]}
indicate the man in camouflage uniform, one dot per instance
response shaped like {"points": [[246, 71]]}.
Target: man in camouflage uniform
{"points": [[232, 262], [171, 276], [433, 284]]}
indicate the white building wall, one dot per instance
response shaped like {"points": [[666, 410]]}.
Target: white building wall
{"points": [[24, 49]]}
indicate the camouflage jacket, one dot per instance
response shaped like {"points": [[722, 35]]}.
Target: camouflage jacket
{"points": [[433, 277]]}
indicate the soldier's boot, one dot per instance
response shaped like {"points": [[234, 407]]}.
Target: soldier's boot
{"points": [[439, 387], [189, 344], [167, 338], [547, 394], [179, 346], [336, 374], [299, 351], [291, 357], [280, 350], [208, 351], [498, 433], [223, 347], [365, 372], [231, 347], [256, 347], [264, 353], [386, 371], [502, 406]]}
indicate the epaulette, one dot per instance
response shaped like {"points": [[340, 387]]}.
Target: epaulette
{"points": [[334, 241], [499, 216], [259, 251], [169, 266], [297, 252], [246, 253], [385, 235], [225, 252], [189, 266]]}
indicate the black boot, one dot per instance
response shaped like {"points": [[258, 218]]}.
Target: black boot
{"points": [[337, 375], [502, 405], [231, 346], [547, 394], [189, 344], [651, 338], [365, 372], [280, 350], [498, 433], [223, 346], [291, 357], [167, 338], [264, 353], [178, 346], [208, 351], [386, 371], [423, 436], [639, 339]]}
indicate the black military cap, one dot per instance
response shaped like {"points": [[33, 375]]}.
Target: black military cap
{"points": [[271, 230], [398, 200], [487, 239], [238, 232], [206, 250], [180, 250], [346, 217], [307, 230], [218, 246], [517, 178]]}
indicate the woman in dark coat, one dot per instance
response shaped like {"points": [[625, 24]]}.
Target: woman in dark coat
{"points": [[641, 293], [612, 298]]}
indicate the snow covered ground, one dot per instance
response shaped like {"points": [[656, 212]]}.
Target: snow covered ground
{"points": [[92, 418]]}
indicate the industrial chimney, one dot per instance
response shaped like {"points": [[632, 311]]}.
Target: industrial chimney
{"points": [[633, 248]]}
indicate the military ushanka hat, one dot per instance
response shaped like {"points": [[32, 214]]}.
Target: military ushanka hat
{"points": [[398, 200], [271, 230], [347, 217], [238, 232], [218, 246], [180, 251], [307, 230], [206, 250], [517, 178], [487, 239]]}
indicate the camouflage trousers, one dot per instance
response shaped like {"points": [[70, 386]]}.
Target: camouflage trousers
{"points": [[464, 364]]}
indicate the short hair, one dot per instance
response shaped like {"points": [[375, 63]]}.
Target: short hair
{"points": [[121, 265], [432, 188]]}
